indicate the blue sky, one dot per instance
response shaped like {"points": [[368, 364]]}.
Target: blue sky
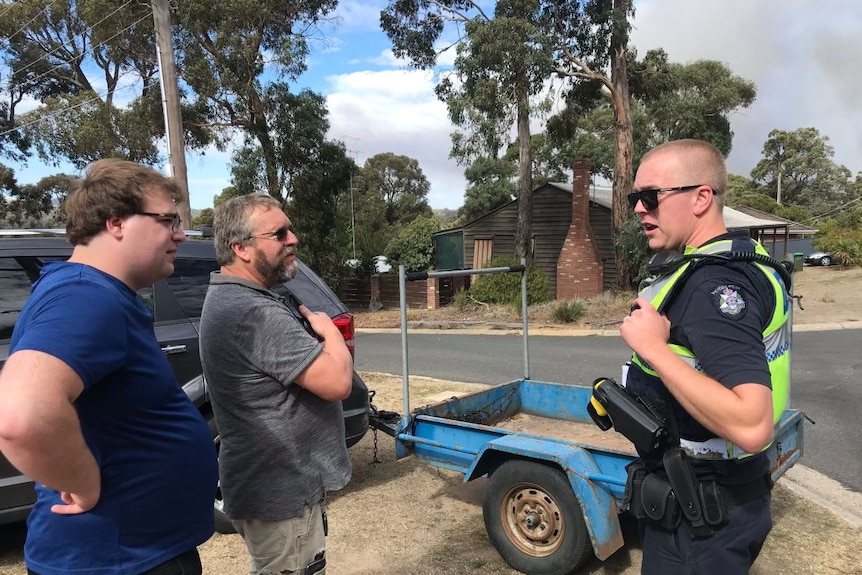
{"points": [[803, 56]]}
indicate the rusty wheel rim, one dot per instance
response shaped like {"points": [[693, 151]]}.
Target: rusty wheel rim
{"points": [[532, 520]]}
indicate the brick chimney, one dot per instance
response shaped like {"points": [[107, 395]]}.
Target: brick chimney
{"points": [[579, 267]]}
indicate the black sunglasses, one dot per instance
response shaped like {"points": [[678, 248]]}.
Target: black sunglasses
{"points": [[280, 234], [649, 197]]}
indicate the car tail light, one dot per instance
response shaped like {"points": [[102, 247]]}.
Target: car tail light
{"points": [[344, 323]]}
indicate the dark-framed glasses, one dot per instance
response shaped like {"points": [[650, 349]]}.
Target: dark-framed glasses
{"points": [[279, 235], [649, 197], [166, 218]]}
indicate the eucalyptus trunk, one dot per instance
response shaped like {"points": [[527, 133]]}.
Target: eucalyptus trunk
{"points": [[623, 169], [524, 231]]}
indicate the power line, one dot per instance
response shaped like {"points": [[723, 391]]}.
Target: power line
{"points": [[9, 9], [58, 66], [71, 40], [98, 97], [33, 19], [841, 208]]}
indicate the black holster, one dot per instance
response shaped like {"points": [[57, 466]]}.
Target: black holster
{"points": [[666, 501], [685, 485], [632, 500]]}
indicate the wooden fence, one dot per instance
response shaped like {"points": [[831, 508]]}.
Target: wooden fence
{"points": [[382, 290]]}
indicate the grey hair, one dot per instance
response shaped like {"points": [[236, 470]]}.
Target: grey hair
{"points": [[231, 223]]}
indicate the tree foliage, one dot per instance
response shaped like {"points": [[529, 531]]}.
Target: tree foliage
{"points": [[295, 136], [320, 188], [413, 245], [204, 218], [809, 177], [226, 47], [693, 100], [503, 60], [91, 65], [397, 184], [389, 192], [842, 237], [489, 186]]}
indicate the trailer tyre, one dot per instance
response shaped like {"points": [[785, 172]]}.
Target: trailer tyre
{"points": [[534, 519]]}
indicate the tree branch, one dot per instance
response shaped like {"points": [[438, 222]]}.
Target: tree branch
{"points": [[586, 71], [463, 17]]}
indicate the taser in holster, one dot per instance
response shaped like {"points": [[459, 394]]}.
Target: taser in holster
{"points": [[612, 406]]}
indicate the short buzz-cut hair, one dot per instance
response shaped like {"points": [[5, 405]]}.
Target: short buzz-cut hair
{"points": [[699, 160], [112, 188], [231, 223]]}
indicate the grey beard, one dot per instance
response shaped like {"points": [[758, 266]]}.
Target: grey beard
{"points": [[274, 274]]}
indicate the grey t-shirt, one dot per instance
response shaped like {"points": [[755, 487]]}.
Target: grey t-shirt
{"points": [[282, 447]]}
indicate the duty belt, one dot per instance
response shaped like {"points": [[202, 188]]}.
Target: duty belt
{"points": [[715, 448]]}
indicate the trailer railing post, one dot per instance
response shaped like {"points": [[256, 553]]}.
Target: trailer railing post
{"points": [[524, 318], [402, 295], [404, 277]]}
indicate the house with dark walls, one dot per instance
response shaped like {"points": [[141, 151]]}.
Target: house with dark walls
{"points": [[572, 236]]}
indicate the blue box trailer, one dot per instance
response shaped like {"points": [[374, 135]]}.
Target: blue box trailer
{"points": [[556, 481]]}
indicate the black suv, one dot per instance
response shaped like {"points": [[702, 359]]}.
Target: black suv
{"points": [[176, 306]]}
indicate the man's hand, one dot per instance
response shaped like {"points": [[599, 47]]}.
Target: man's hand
{"points": [[320, 322], [76, 503], [645, 329], [330, 376]]}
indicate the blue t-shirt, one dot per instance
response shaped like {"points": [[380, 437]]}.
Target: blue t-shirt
{"points": [[155, 452]]}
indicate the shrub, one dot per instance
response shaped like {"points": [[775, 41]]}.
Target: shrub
{"points": [[461, 300], [568, 311], [413, 246], [845, 244], [632, 243], [505, 288]]}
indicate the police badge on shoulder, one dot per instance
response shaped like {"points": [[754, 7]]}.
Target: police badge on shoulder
{"points": [[728, 301]]}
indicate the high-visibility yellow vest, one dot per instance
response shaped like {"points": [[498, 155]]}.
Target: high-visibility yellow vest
{"points": [[776, 340]]}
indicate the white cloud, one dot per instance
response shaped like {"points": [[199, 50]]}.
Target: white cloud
{"points": [[384, 59], [802, 55], [359, 15], [396, 111]]}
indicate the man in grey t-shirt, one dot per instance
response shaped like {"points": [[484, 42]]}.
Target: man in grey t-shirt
{"points": [[276, 390]]}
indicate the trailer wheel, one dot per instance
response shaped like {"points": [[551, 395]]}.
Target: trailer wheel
{"points": [[534, 519]]}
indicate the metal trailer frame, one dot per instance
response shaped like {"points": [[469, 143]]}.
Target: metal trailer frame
{"points": [[460, 434]]}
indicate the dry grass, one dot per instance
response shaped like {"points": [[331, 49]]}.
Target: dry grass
{"points": [[829, 295], [601, 312], [404, 518]]}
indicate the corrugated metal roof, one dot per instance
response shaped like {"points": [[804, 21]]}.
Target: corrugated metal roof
{"points": [[795, 227]]}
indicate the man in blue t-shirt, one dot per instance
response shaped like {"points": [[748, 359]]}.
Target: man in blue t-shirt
{"points": [[124, 464]]}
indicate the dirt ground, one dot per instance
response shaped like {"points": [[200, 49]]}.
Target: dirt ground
{"points": [[404, 518]]}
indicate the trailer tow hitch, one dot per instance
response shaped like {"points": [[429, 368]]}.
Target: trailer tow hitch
{"points": [[385, 421]]}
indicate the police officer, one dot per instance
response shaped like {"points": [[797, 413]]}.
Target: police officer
{"points": [[711, 343]]}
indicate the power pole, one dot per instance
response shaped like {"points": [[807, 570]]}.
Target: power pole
{"points": [[352, 210], [176, 167]]}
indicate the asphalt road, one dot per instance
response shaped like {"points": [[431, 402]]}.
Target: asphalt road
{"points": [[827, 366]]}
